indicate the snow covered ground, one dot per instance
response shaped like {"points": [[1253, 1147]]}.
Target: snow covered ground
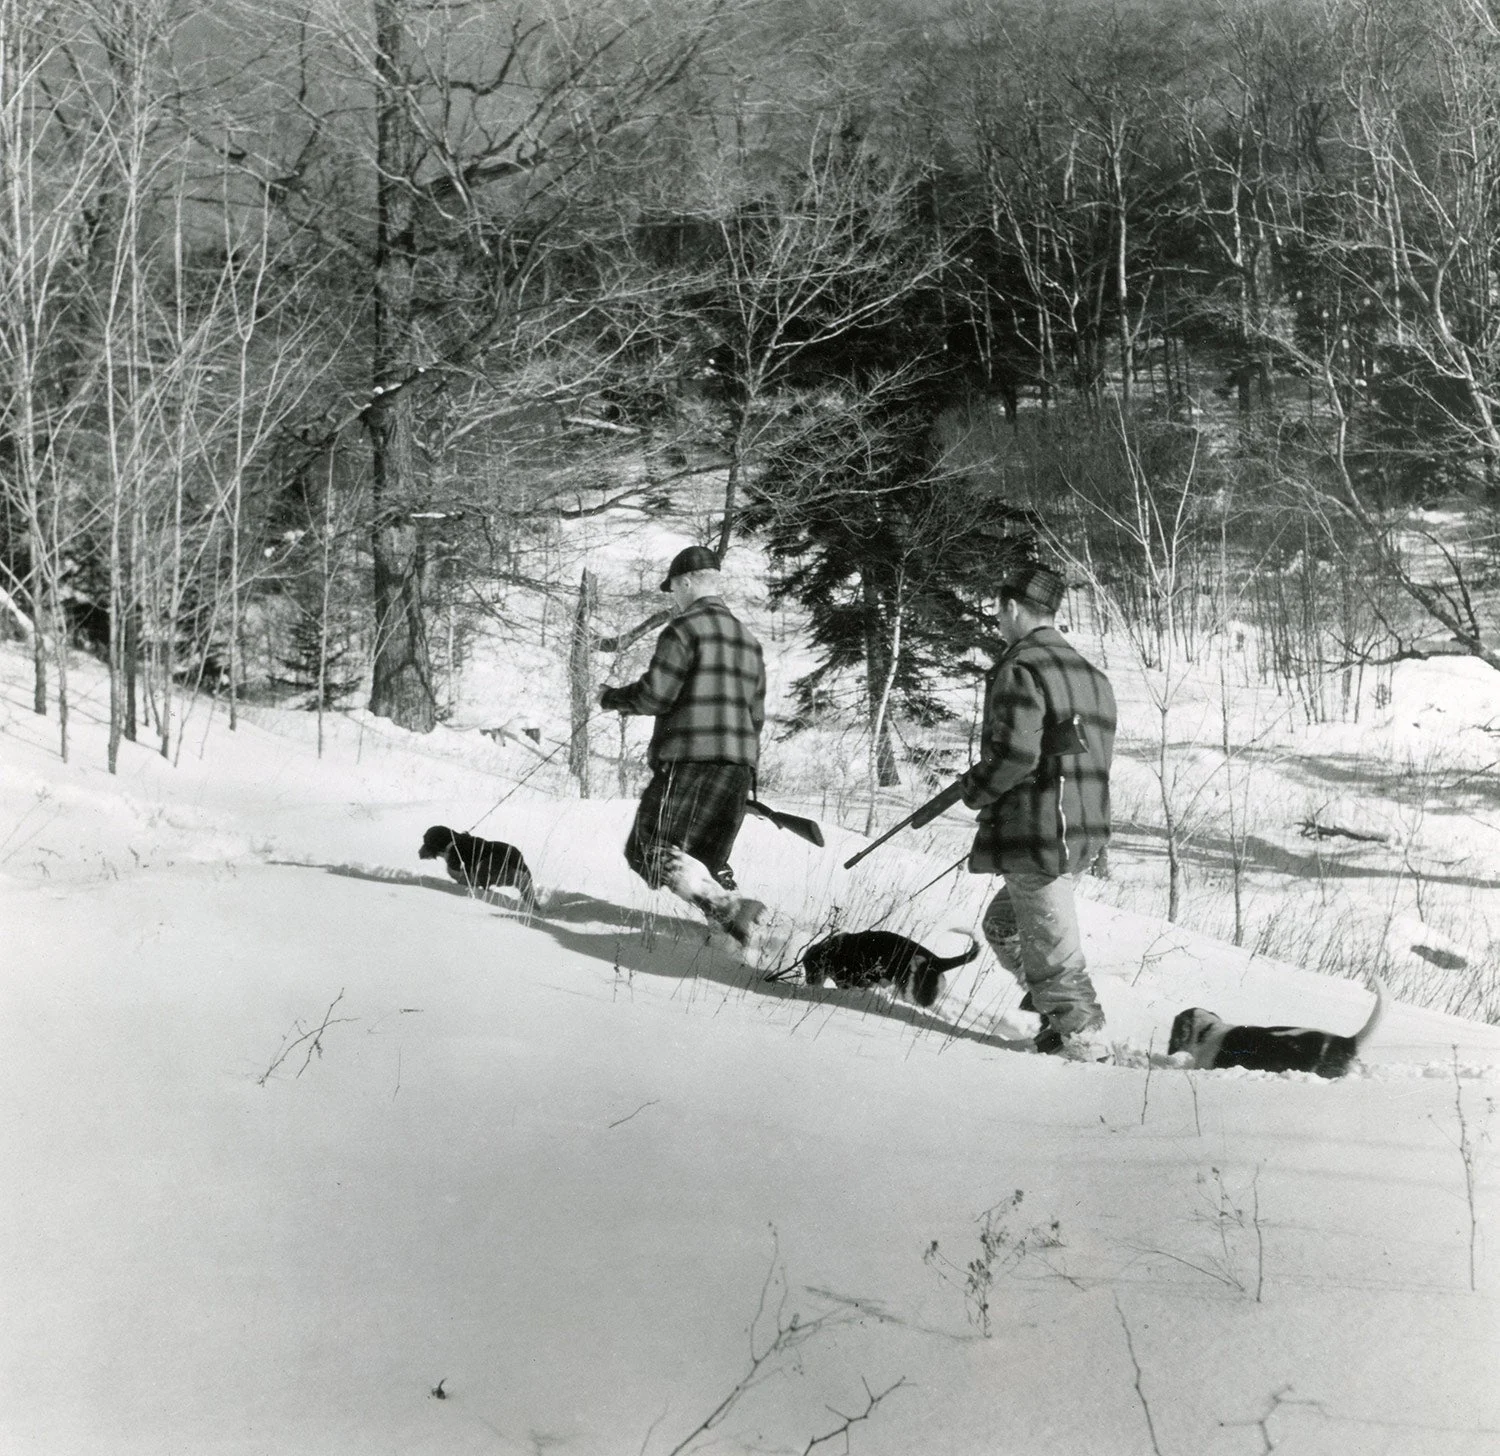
{"points": [[306, 1151]]}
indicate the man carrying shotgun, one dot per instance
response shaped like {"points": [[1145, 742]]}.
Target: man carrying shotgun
{"points": [[706, 688], [1041, 787]]}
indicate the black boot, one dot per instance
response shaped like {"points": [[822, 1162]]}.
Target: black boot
{"points": [[1047, 1041]]}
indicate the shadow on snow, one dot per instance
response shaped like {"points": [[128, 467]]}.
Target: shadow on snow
{"points": [[672, 947]]}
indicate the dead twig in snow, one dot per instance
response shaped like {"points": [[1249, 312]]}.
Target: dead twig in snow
{"points": [[1260, 1238], [871, 1401], [1262, 1423], [1146, 1090], [790, 1332], [1140, 1393], [652, 1103], [1466, 1153], [651, 1429], [313, 1039]]}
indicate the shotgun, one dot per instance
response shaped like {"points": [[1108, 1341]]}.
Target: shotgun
{"points": [[925, 814], [1063, 739], [808, 829]]}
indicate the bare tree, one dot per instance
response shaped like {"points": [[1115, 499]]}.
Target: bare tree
{"points": [[1395, 325], [1056, 115], [787, 274], [48, 171], [1137, 526], [1253, 139], [480, 140]]}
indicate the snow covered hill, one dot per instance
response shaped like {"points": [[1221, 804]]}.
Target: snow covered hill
{"points": [[306, 1151]]}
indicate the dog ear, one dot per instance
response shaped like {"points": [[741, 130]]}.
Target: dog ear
{"points": [[1184, 1030], [1203, 1024]]}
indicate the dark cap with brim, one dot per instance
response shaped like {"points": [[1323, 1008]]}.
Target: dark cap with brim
{"points": [[1036, 585], [690, 559]]}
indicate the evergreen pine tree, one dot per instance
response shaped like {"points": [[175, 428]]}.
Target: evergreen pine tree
{"points": [[319, 652]]}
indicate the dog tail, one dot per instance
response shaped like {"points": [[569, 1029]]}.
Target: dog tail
{"points": [[1368, 1029], [947, 963]]}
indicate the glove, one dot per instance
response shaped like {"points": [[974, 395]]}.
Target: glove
{"points": [[610, 697]]}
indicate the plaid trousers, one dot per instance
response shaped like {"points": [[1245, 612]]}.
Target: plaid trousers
{"points": [[696, 807]]}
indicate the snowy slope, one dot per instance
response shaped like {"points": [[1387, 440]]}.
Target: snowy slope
{"points": [[295, 1135]]}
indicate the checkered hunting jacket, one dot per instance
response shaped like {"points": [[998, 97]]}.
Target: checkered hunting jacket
{"points": [[1045, 814], [706, 688]]}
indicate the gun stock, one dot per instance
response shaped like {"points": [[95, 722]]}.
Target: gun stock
{"points": [[808, 829]]}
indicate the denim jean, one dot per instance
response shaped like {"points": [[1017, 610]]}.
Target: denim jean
{"points": [[1032, 926]]}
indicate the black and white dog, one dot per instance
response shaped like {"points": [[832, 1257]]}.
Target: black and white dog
{"points": [[479, 864], [1211, 1042], [855, 959]]}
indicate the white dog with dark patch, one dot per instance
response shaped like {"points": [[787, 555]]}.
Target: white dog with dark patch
{"points": [[1208, 1041]]}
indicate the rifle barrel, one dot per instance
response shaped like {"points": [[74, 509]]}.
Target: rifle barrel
{"points": [[923, 814]]}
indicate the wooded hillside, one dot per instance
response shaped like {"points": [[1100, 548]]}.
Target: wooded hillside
{"points": [[317, 319]]}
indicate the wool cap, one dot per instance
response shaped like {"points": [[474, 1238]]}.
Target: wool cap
{"points": [[690, 558], [1037, 585]]}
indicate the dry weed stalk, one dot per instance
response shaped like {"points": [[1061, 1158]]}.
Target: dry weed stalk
{"points": [[313, 1040]]}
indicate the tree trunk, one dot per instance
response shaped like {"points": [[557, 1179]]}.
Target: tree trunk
{"points": [[1122, 276], [1169, 820], [732, 479], [581, 680], [401, 687], [116, 646], [879, 662], [883, 772], [39, 595]]}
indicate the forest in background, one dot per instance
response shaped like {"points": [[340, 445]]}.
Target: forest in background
{"points": [[319, 321]]}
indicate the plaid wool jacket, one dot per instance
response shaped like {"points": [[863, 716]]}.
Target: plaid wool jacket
{"points": [[706, 687], [1038, 812]]}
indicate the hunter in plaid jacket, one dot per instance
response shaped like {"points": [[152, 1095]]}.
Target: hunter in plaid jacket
{"points": [[1041, 811], [706, 687]]}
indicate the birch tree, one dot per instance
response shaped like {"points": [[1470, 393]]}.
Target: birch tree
{"points": [[49, 172]]}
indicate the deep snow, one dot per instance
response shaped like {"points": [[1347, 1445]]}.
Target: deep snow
{"points": [[296, 1135]]}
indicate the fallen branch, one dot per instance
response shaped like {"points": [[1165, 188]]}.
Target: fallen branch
{"points": [[21, 619], [592, 422], [1311, 829]]}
